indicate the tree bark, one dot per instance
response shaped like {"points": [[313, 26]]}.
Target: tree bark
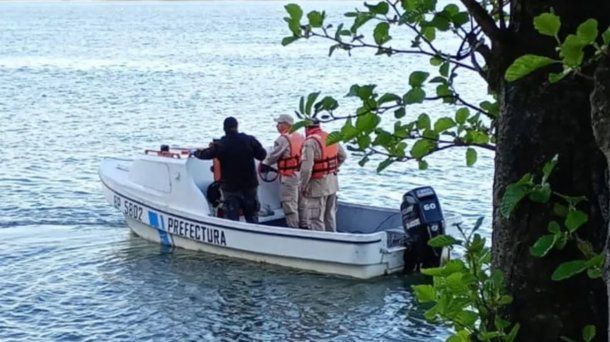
{"points": [[600, 118], [539, 120]]}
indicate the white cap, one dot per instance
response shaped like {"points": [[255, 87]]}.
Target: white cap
{"points": [[284, 118]]}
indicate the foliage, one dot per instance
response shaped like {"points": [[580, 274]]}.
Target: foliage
{"points": [[561, 231], [467, 293], [413, 136], [571, 51]]}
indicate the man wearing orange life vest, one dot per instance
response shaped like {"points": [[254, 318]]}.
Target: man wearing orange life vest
{"points": [[319, 184], [287, 154]]}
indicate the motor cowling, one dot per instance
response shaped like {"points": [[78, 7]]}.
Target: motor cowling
{"points": [[422, 220]]}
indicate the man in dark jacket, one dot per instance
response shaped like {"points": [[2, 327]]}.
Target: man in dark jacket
{"points": [[236, 153]]}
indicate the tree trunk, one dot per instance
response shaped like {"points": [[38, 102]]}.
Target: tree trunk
{"points": [[539, 120], [600, 118], [537, 123]]}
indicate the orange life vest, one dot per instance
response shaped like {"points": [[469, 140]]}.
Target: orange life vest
{"points": [[328, 162], [287, 166], [216, 170]]}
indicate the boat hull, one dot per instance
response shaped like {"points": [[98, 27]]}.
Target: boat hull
{"points": [[360, 256], [348, 270]]}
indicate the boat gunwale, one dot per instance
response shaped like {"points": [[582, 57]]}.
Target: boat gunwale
{"points": [[355, 241]]}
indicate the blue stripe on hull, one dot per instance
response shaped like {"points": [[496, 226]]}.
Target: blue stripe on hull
{"points": [[164, 237]]}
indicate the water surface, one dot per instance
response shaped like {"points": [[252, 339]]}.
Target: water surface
{"points": [[82, 81]]}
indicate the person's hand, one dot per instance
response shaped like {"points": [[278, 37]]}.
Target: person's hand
{"points": [[266, 168]]}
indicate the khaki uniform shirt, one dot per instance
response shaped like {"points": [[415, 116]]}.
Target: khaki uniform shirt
{"points": [[325, 186], [281, 149]]}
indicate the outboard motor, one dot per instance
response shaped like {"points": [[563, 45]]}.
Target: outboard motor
{"points": [[422, 220]]}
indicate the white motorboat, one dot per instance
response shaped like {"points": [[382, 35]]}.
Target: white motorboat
{"points": [[165, 198]]}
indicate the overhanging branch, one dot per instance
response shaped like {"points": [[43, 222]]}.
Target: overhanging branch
{"points": [[480, 15]]}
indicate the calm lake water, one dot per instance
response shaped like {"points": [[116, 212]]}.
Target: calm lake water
{"points": [[83, 81]]}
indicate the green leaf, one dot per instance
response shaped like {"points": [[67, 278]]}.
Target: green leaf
{"points": [[421, 148], [451, 267], [384, 164], [512, 196], [383, 138], [424, 293], [443, 124], [444, 69], [311, 98], [554, 227], [436, 61], [560, 210], [444, 91], [596, 260], [543, 245], [575, 220], [380, 8], [512, 336], [327, 103], [540, 194], [555, 77], [588, 333], [333, 138], [471, 156], [363, 161], [547, 24], [300, 125], [422, 164], [440, 22], [417, 78], [460, 336], [571, 51], [505, 300], [451, 9], [562, 240], [466, 318], [569, 269], [423, 121], [302, 105], [460, 19], [587, 31], [461, 115], [367, 122], [525, 65], [548, 168], [364, 141], [388, 97], [361, 19], [381, 34], [349, 131], [399, 113], [491, 108], [415, 95], [316, 19], [606, 36], [586, 249], [429, 32], [594, 273], [442, 241], [294, 11], [288, 40]]}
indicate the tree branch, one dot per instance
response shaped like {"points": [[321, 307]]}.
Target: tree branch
{"points": [[483, 18]]}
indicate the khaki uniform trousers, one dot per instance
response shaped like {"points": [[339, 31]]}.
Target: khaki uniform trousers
{"points": [[291, 204], [321, 212]]}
